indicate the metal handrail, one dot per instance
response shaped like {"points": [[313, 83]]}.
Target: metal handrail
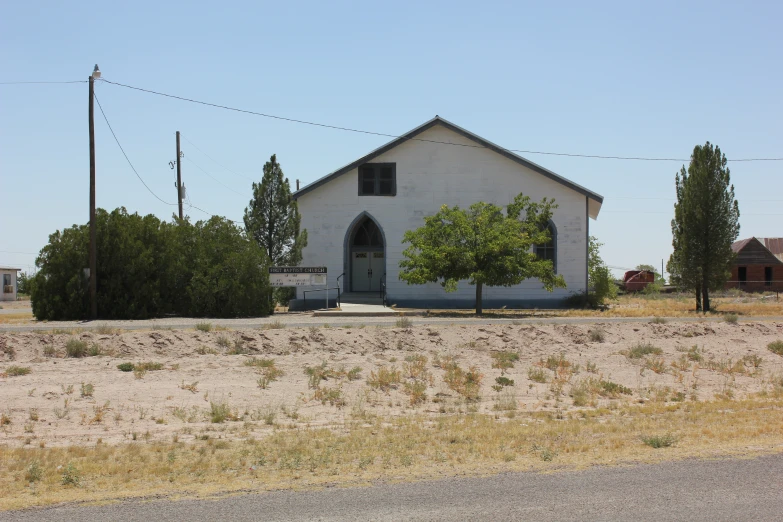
{"points": [[339, 304], [304, 294]]}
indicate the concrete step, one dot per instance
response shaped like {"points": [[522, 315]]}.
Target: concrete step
{"points": [[361, 298]]}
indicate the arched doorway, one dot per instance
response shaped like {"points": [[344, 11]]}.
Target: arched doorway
{"points": [[367, 255]]}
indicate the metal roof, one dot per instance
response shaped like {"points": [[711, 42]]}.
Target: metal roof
{"points": [[773, 244], [437, 120], [9, 268]]}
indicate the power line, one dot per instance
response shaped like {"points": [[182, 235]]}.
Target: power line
{"points": [[672, 212], [213, 177], [213, 159], [137, 174], [675, 199], [13, 252], [126, 156], [191, 205], [372, 133], [27, 83]]}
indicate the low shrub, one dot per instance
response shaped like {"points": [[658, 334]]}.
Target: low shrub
{"points": [[660, 441], [640, 350], [466, 383], [385, 379], [536, 374], [16, 371], [126, 367], [597, 336], [87, 389], [731, 318], [403, 322], [504, 360], [75, 348], [776, 347], [220, 412], [204, 327], [148, 366]]}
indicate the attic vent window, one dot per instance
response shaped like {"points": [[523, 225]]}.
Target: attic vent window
{"points": [[378, 179]]}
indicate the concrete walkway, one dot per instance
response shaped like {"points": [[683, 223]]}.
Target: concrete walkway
{"points": [[356, 309]]}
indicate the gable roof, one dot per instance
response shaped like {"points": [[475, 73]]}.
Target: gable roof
{"points": [[437, 120], [754, 250]]}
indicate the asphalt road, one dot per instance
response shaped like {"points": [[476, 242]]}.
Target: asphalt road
{"points": [[686, 490]]}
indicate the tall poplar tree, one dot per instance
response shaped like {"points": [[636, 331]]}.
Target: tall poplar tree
{"points": [[705, 224], [272, 219]]}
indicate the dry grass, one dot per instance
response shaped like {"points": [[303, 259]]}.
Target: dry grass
{"points": [[412, 447]]}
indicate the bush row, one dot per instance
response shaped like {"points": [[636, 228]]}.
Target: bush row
{"points": [[151, 268]]}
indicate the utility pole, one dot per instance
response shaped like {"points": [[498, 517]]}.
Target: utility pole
{"points": [[93, 226], [179, 178]]}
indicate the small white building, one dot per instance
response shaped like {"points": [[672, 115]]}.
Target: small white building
{"points": [[8, 277], [356, 216]]}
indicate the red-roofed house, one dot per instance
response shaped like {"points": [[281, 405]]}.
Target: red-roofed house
{"points": [[759, 264]]}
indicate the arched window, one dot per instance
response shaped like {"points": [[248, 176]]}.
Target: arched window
{"points": [[548, 250], [367, 234]]}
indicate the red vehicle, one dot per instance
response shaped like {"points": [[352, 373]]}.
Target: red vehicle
{"points": [[637, 280]]}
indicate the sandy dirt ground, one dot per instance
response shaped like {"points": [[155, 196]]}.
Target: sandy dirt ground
{"points": [[53, 404]]}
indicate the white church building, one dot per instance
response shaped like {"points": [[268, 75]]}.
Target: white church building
{"points": [[356, 218]]}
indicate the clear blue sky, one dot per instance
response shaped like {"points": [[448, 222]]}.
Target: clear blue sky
{"points": [[623, 78]]}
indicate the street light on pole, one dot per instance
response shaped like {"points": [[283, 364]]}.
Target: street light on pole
{"points": [[96, 73]]}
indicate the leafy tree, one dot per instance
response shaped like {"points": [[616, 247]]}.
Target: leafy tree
{"points": [[482, 245], [706, 222], [148, 268], [599, 277], [272, 219], [23, 283]]}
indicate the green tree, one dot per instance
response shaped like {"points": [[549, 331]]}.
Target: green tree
{"points": [[705, 224], [599, 277], [23, 283], [272, 219], [482, 245]]}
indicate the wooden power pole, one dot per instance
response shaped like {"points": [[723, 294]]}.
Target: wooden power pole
{"points": [[179, 178], [93, 225]]}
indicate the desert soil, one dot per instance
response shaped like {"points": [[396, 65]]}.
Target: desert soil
{"points": [[46, 406]]}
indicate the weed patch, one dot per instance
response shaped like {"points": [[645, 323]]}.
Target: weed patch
{"points": [[504, 360], [204, 327], [466, 383], [659, 441], [640, 350], [385, 379], [17, 371]]}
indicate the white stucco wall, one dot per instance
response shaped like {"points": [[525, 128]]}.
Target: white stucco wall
{"points": [[430, 175], [11, 296]]}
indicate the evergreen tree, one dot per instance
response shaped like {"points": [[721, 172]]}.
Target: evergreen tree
{"points": [[705, 224], [481, 245], [272, 219]]}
